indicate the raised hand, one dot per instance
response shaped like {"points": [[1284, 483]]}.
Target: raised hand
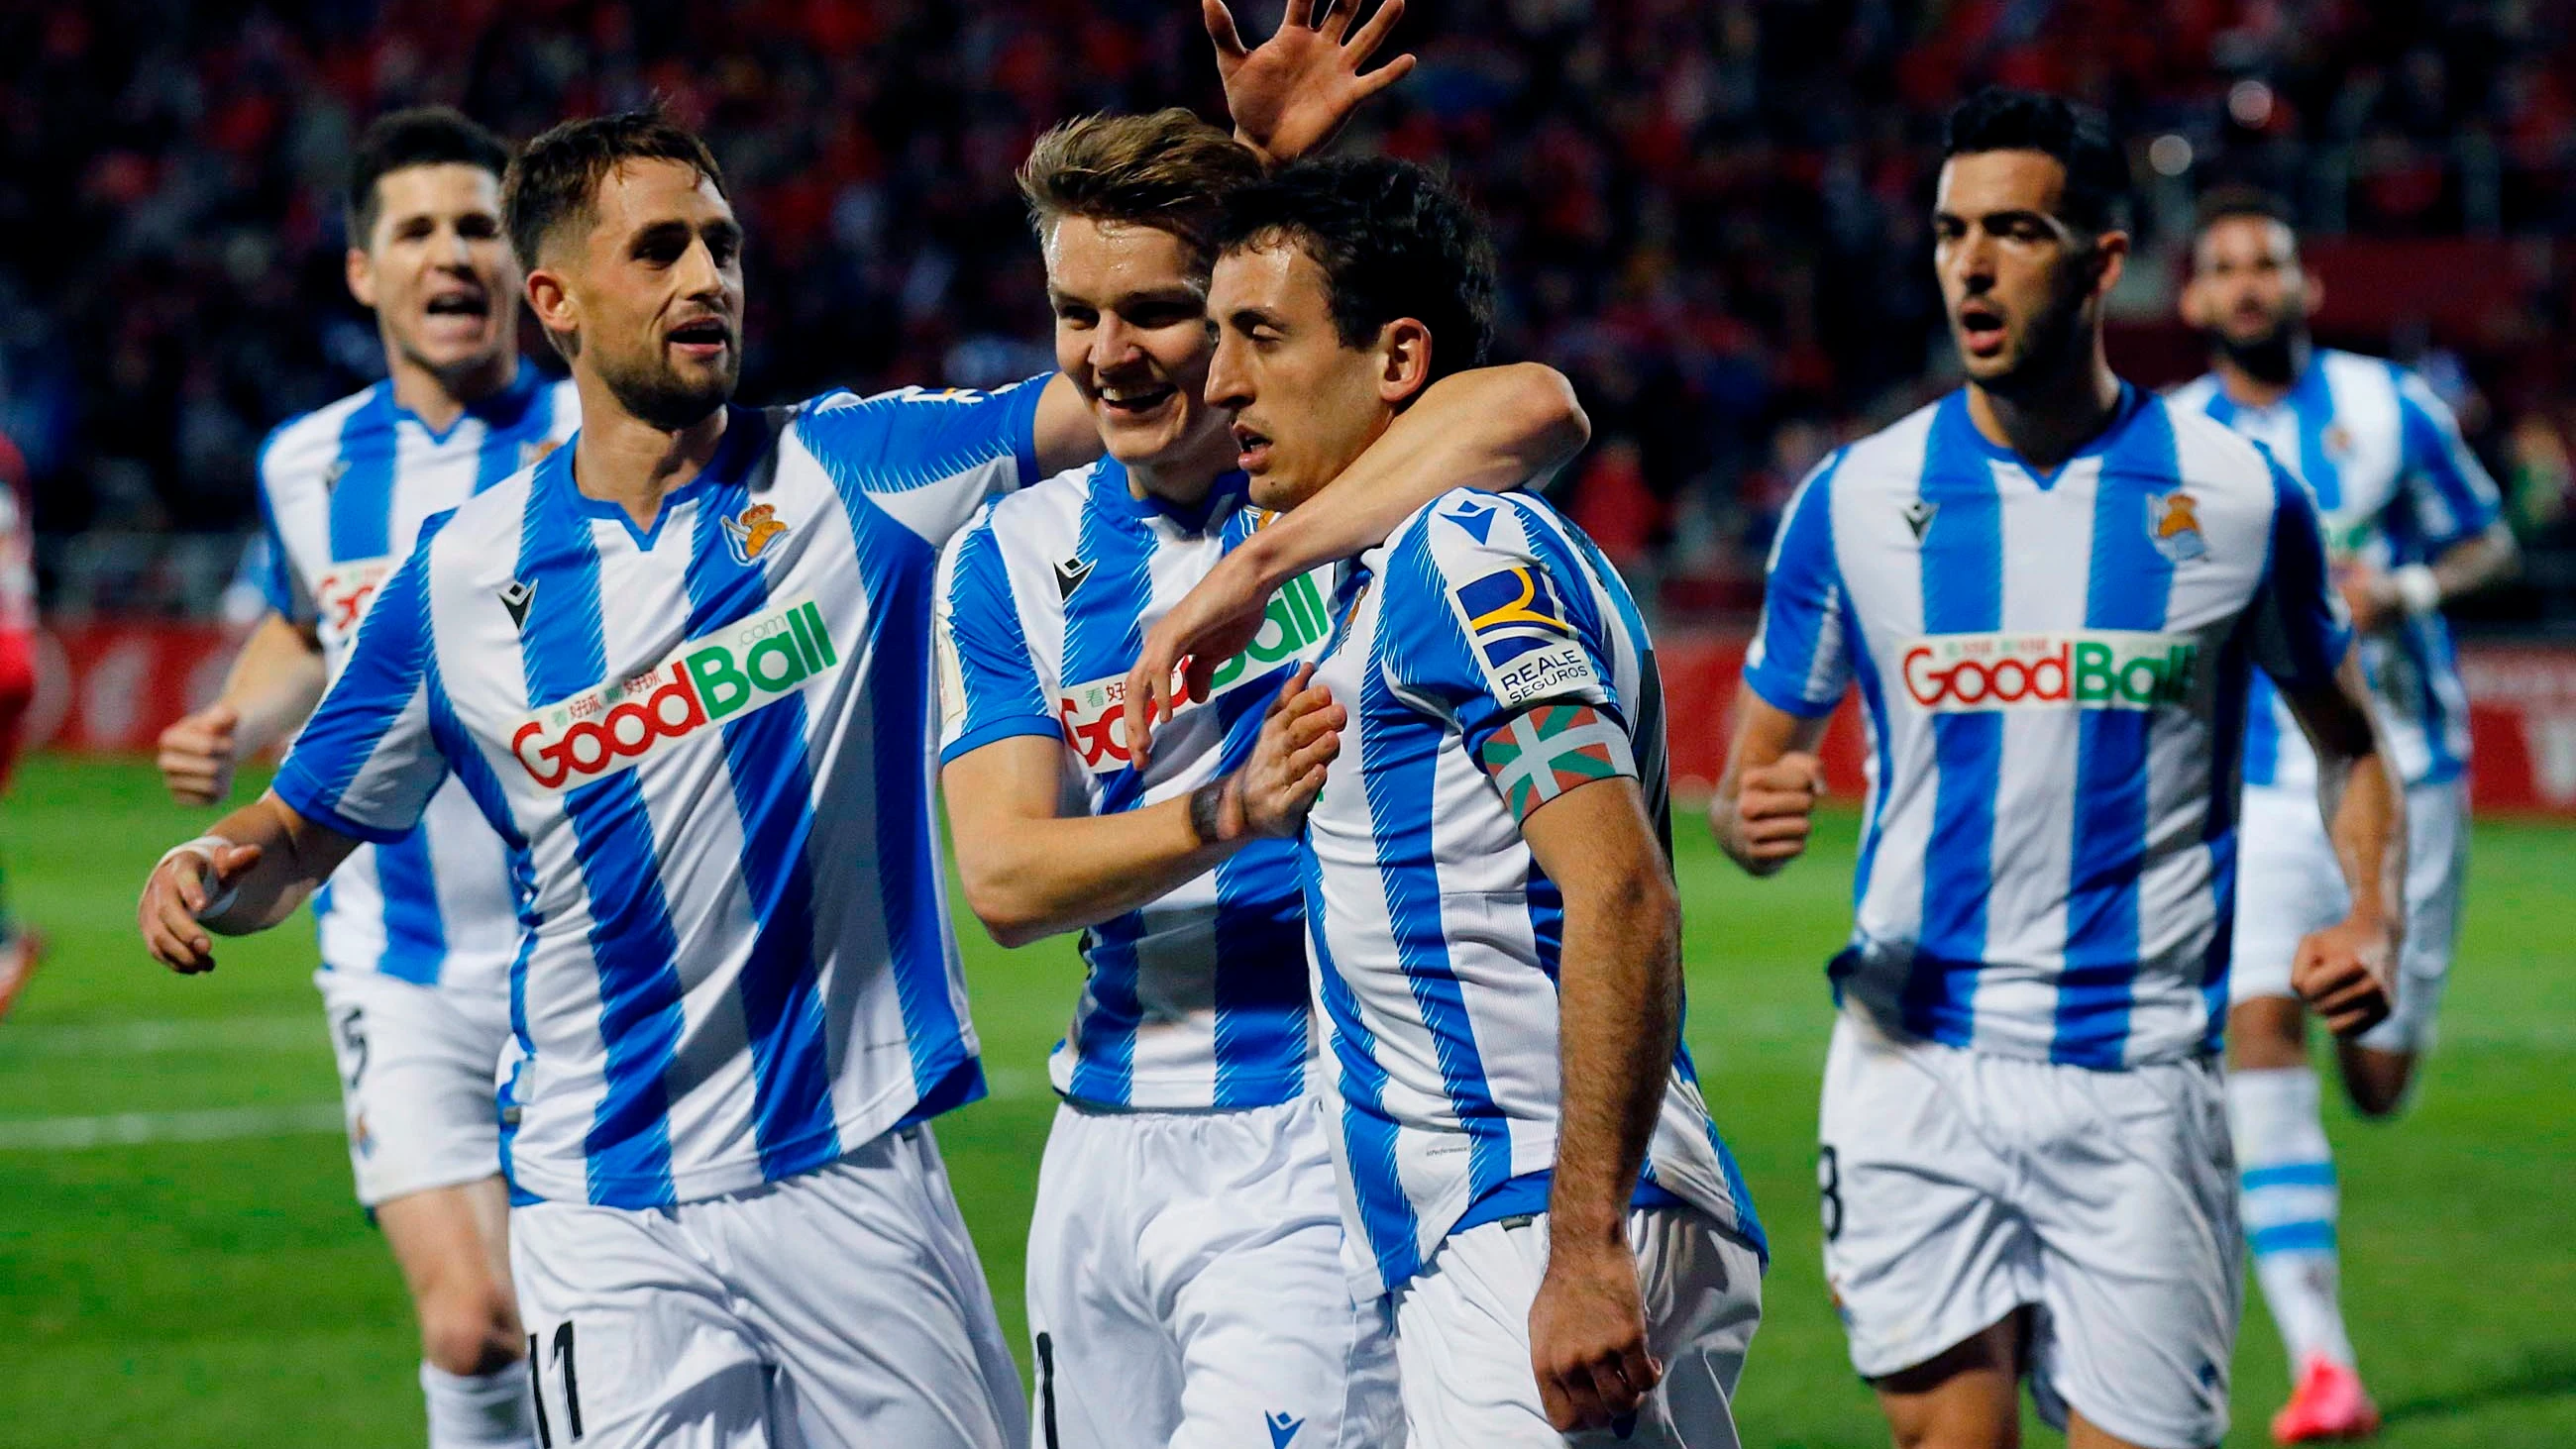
{"points": [[197, 755], [177, 894], [1293, 92], [2342, 973]]}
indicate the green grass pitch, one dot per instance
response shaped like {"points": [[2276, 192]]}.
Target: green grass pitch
{"points": [[228, 1292]]}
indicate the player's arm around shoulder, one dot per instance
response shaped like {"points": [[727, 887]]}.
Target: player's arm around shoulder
{"points": [[1497, 429]]}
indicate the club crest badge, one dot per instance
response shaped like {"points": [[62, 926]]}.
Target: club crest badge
{"points": [[2173, 526], [749, 533]]}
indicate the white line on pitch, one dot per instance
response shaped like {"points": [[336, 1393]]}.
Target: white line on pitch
{"points": [[128, 1129], [153, 1037]]}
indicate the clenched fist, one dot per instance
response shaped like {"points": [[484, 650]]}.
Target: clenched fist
{"points": [[198, 753], [1773, 811]]}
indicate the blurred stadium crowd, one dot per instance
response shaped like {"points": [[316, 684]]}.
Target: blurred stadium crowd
{"points": [[1710, 210]]}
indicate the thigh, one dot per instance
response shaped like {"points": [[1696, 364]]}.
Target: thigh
{"points": [[1922, 1248], [1108, 1375], [416, 1075], [1703, 1298], [2287, 884], [631, 1340], [1247, 1252], [2136, 1214], [1462, 1343], [865, 1290]]}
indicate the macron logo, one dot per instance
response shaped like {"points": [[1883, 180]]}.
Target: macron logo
{"points": [[1477, 519], [1282, 1428]]}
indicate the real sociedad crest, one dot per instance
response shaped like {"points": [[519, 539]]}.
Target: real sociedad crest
{"points": [[2173, 525]]}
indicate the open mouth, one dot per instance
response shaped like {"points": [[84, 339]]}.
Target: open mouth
{"points": [[1136, 401], [1981, 329], [704, 337], [1252, 449], [459, 304]]}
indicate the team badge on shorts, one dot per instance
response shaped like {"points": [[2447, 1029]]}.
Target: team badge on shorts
{"points": [[2173, 525]]}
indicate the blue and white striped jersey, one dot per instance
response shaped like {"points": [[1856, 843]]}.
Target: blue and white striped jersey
{"points": [[1435, 934], [2055, 671], [707, 745], [343, 492], [2396, 485], [1198, 1000]]}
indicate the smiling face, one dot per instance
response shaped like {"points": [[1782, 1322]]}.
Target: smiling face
{"points": [[437, 270], [649, 295], [1304, 403], [2247, 288], [1131, 331], [2021, 283]]}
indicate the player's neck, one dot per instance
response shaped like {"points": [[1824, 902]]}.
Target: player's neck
{"points": [[2046, 422], [438, 398], [620, 458], [2252, 384]]}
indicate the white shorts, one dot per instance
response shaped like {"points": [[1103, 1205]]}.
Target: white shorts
{"points": [[843, 1306], [1186, 1288], [1959, 1187], [2287, 884], [418, 1069], [1462, 1336]]}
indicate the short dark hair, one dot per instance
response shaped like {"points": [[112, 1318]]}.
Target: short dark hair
{"points": [[1393, 241], [419, 136], [1168, 170], [1999, 118], [2238, 199], [556, 179]]}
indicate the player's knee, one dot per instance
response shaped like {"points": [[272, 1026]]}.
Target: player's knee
{"points": [[470, 1332]]}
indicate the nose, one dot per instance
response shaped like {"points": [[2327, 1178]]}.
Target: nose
{"points": [[1972, 258], [1113, 343], [699, 276], [458, 253], [1229, 383]]}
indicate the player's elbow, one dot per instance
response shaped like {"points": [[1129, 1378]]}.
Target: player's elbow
{"points": [[1542, 401], [1641, 897], [1007, 913]]}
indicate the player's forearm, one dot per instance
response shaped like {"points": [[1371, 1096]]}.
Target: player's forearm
{"points": [[2359, 795], [2365, 815], [1495, 428], [1619, 994], [1030, 878], [2477, 563], [274, 683], [295, 857]]}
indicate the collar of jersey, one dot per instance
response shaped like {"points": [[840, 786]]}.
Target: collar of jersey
{"points": [[1117, 490], [499, 410], [2133, 401], [2308, 387], [746, 436]]}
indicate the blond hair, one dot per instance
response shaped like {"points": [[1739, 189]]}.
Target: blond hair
{"points": [[1168, 170]]}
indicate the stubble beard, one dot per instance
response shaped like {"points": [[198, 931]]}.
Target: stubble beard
{"points": [[654, 395]]}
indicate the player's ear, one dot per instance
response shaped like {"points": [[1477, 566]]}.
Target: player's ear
{"points": [[2190, 303], [1404, 359], [2312, 289], [2110, 259], [552, 302], [360, 270]]}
